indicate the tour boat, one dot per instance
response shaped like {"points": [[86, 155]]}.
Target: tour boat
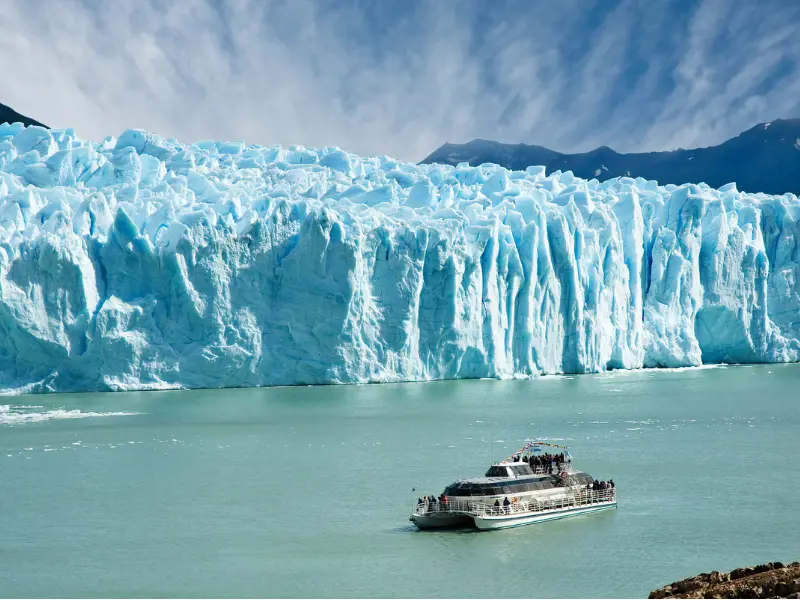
{"points": [[517, 492]]}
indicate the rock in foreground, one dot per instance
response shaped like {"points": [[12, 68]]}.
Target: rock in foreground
{"points": [[772, 580]]}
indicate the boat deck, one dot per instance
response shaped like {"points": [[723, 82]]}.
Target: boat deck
{"points": [[474, 508]]}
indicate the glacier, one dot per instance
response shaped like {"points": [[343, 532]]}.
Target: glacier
{"points": [[142, 263]]}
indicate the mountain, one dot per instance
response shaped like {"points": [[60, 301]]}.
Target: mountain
{"points": [[9, 115], [765, 159]]}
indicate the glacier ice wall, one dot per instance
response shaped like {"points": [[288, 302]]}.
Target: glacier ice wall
{"points": [[143, 263]]}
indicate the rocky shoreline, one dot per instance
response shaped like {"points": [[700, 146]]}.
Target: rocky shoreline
{"points": [[771, 580]]}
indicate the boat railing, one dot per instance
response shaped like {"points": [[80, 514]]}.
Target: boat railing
{"points": [[552, 469], [476, 508]]}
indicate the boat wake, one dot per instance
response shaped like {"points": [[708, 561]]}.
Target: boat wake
{"points": [[22, 414]]}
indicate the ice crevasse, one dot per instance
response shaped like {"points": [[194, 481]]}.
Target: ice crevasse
{"points": [[142, 263]]}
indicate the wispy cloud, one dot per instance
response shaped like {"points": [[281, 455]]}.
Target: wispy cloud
{"points": [[739, 65], [401, 78]]}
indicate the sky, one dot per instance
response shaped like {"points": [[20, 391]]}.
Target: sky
{"points": [[403, 77]]}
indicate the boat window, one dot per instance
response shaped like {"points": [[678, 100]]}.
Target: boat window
{"points": [[521, 470], [496, 471]]}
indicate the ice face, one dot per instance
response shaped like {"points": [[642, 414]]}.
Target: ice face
{"points": [[144, 263]]}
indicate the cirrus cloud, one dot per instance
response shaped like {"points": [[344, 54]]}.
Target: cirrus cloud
{"points": [[401, 78]]}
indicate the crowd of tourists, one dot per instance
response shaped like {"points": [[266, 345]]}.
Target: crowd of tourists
{"points": [[544, 463], [434, 503], [598, 486]]}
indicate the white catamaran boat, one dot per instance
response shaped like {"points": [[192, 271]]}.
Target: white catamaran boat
{"points": [[520, 490]]}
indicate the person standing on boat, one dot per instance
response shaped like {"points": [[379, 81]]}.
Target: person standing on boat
{"points": [[506, 504]]}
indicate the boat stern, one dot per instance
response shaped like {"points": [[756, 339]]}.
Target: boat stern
{"points": [[433, 519]]}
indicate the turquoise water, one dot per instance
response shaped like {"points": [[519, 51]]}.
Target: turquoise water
{"points": [[307, 491]]}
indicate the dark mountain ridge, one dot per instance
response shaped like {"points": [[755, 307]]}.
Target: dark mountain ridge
{"points": [[765, 158], [9, 115]]}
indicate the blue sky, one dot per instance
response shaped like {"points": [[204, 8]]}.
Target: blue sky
{"points": [[402, 77]]}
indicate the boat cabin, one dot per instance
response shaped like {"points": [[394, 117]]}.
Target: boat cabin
{"points": [[498, 482], [510, 469]]}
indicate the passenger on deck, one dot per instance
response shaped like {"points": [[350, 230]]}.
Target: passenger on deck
{"points": [[506, 504], [419, 501], [611, 483]]}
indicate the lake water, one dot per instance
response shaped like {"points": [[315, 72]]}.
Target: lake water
{"points": [[307, 491]]}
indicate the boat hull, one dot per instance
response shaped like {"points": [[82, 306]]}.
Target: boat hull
{"points": [[504, 521], [441, 520]]}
